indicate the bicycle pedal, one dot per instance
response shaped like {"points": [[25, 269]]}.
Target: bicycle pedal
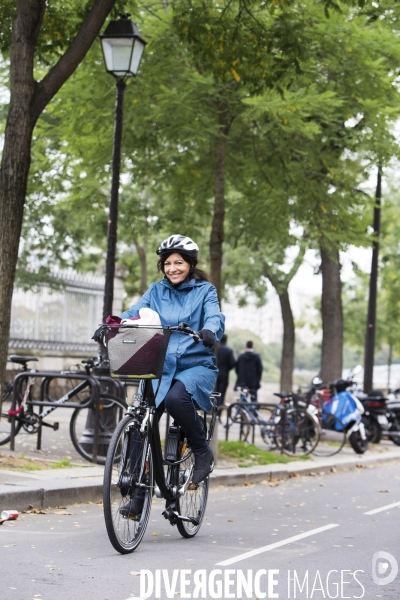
{"points": [[56, 426]]}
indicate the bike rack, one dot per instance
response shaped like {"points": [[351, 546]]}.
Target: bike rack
{"points": [[247, 405], [118, 388], [47, 376]]}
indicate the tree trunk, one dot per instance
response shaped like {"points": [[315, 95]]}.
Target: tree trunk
{"points": [[16, 156], [217, 228], [332, 318], [141, 250], [27, 101], [280, 282], [287, 361]]}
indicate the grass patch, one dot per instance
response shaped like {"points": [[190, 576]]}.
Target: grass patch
{"points": [[62, 464], [249, 455], [21, 463], [29, 465]]}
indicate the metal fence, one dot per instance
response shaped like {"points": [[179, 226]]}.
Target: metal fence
{"points": [[62, 317]]}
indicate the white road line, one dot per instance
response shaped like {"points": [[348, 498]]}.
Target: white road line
{"points": [[295, 538], [387, 507]]}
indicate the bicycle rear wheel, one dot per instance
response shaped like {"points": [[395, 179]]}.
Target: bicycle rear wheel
{"points": [[5, 420], [194, 501], [129, 463], [332, 438], [81, 427], [241, 418], [297, 433]]}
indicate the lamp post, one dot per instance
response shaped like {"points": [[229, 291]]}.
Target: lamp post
{"points": [[373, 291], [122, 50]]}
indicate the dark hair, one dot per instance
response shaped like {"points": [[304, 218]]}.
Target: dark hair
{"points": [[224, 339], [249, 344], [194, 272]]}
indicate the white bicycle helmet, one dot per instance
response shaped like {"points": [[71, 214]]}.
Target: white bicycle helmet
{"points": [[179, 243]]}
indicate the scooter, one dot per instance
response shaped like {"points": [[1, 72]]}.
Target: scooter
{"points": [[348, 409], [393, 408]]}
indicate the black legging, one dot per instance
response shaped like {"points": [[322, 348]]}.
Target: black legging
{"points": [[180, 406]]}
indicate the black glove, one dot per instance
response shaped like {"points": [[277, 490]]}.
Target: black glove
{"points": [[99, 334], [208, 338]]}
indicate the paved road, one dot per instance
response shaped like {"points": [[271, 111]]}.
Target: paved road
{"points": [[62, 556]]}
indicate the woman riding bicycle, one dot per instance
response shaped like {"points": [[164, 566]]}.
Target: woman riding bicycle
{"points": [[190, 373]]}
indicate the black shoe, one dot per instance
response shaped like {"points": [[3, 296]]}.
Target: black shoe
{"points": [[204, 464], [132, 509]]}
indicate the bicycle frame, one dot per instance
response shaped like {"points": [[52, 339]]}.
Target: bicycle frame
{"points": [[252, 411], [149, 421]]}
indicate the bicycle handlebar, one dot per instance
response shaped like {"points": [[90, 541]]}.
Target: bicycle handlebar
{"points": [[184, 328], [181, 328]]}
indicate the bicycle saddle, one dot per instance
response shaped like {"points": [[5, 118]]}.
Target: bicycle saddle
{"points": [[21, 360]]}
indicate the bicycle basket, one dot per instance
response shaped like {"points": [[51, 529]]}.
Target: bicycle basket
{"points": [[137, 352]]}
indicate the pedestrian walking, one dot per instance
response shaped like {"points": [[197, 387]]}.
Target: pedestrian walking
{"points": [[249, 369], [225, 362]]}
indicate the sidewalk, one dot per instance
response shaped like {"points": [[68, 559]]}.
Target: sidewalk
{"points": [[56, 487]]}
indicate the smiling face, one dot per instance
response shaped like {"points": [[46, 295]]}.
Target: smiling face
{"points": [[176, 268]]}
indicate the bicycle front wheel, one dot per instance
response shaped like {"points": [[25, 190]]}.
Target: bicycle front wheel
{"points": [[333, 436], [128, 470], [297, 433], [5, 420], [82, 426], [193, 502]]}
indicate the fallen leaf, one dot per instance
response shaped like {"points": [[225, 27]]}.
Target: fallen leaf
{"points": [[155, 533], [230, 520], [384, 491], [273, 484], [61, 507], [62, 512]]}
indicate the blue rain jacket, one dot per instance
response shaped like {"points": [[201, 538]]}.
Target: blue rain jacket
{"points": [[195, 303]]}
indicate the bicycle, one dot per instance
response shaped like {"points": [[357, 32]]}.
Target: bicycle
{"points": [[135, 460], [332, 432], [90, 433], [292, 430]]}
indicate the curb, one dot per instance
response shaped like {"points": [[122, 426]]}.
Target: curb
{"points": [[23, 497], [292, 470]]}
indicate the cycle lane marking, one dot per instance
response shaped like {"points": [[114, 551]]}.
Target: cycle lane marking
{"points": [[295, 538], [382, 508]]}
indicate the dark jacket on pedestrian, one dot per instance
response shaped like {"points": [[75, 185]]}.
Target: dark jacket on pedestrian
{"points": [[225, 362], [249, 369]]}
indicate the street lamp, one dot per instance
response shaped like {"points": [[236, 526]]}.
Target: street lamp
{"points": [[373, 292], [122, 50]]}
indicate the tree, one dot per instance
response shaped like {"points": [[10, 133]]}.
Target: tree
{"points": [[58, 36]]}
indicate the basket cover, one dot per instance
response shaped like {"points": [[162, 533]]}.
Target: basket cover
{"points": [[137, 352]]}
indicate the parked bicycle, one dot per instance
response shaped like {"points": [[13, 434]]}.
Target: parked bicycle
{"points": [[135, 460], [292, 429], [93, 419]]}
